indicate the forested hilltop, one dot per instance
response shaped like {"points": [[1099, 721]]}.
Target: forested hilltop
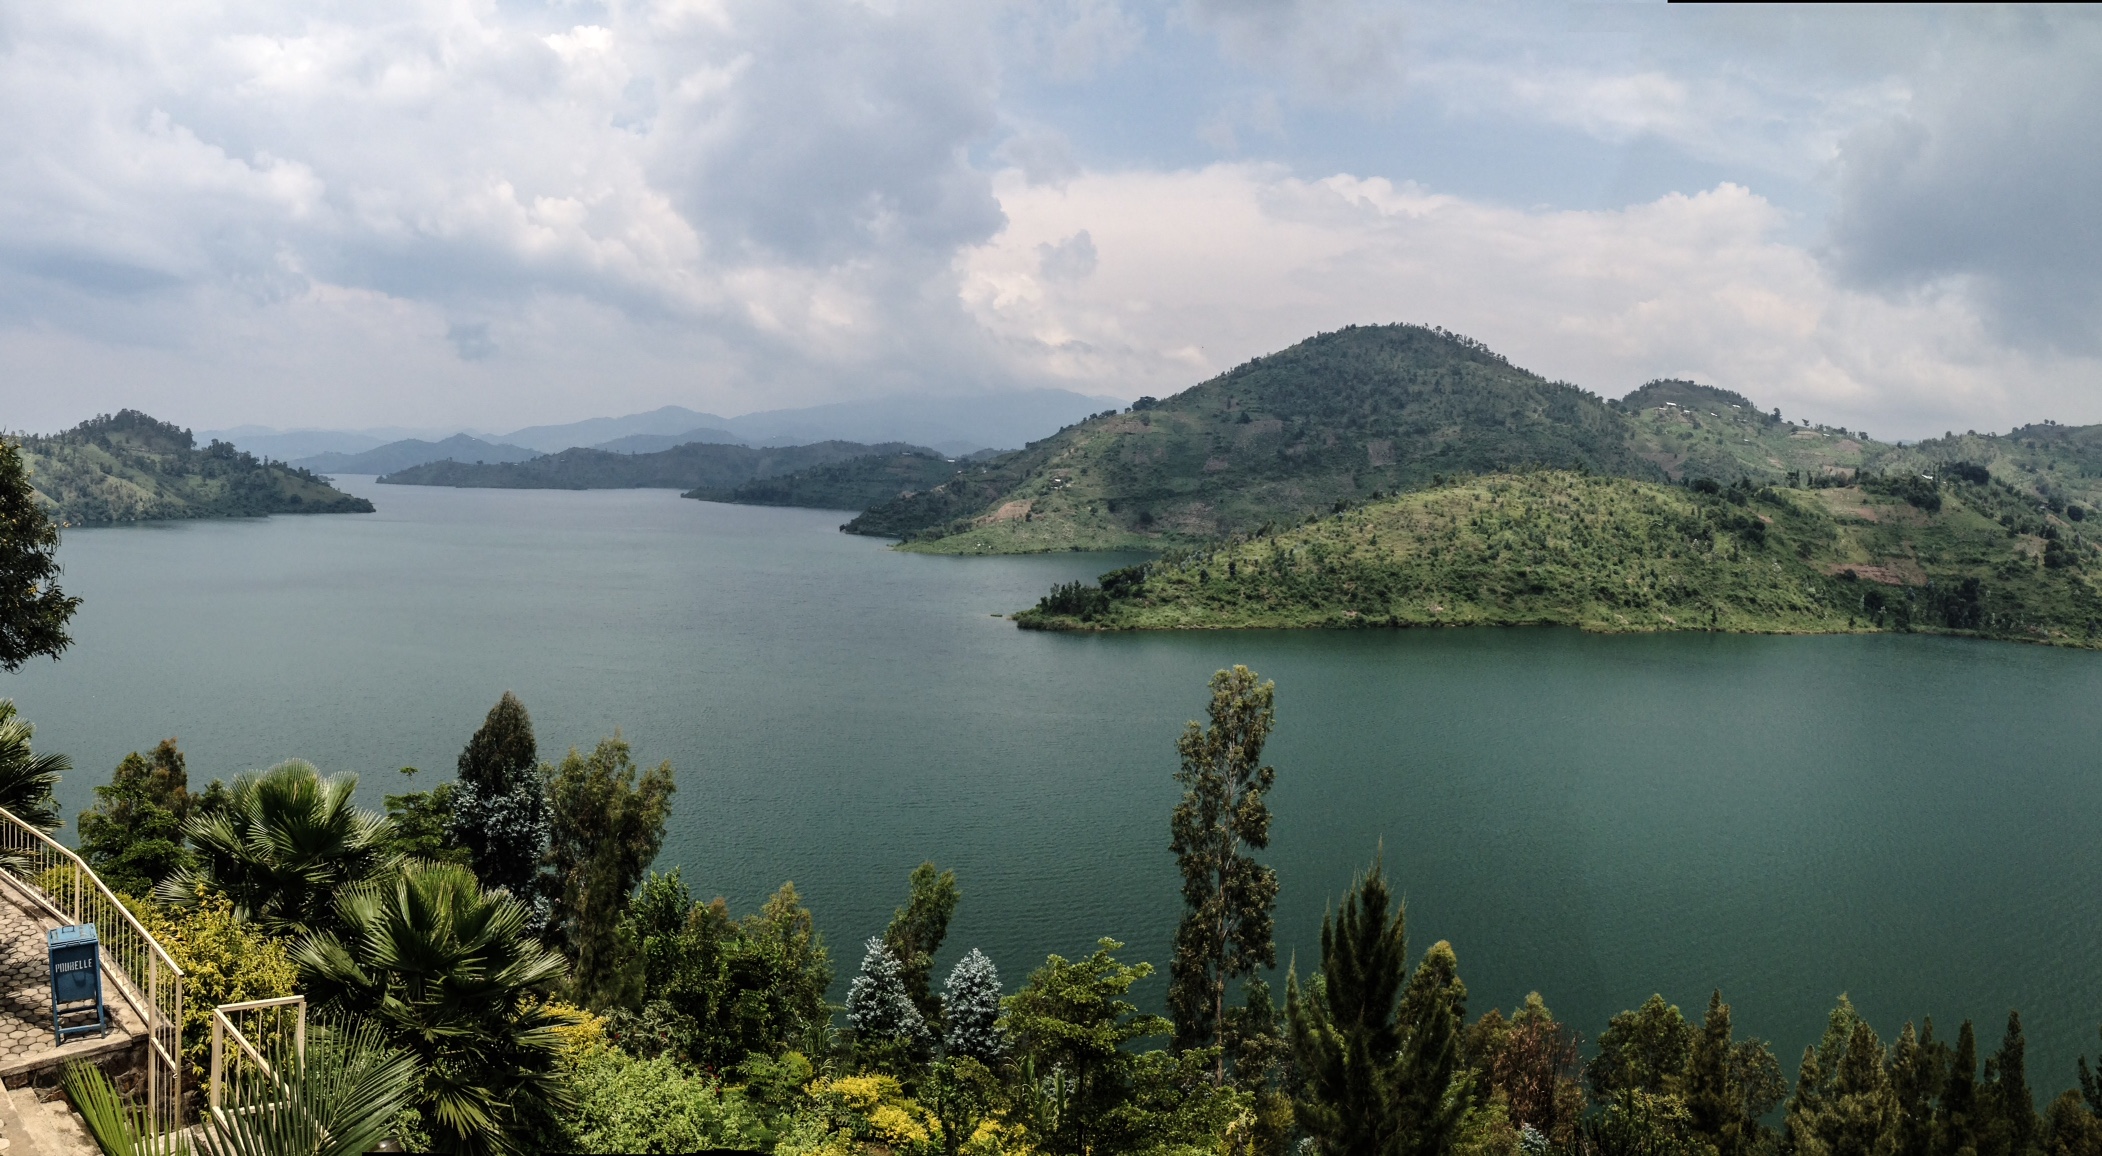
{"points": [[1386, 409], [1959, 552], [128, 467]]}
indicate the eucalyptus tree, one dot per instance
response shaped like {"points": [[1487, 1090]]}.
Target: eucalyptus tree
{"points": [[1229, 898], [916, 932], [282, 847]]}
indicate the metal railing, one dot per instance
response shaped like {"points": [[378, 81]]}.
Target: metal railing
{"points": [[144, 976], [257, 1030]]}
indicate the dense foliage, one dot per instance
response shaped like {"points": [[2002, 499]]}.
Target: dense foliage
{"points": [[701, 1030], [854, 484], [287, 841], [128, 467], [133, 836], [1608, 554], [450, 971], [33, 610]]}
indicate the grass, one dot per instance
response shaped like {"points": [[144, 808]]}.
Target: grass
{"points": [[1614, 554]]}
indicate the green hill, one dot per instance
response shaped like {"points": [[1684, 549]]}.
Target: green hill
{"points": [[854, 484], [694, 466], [1336, 418], [129, 467], [1966, 553]]}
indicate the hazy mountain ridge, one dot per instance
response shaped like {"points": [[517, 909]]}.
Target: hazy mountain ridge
{"points": [[697, 465], [129, 467], [415, 452]]}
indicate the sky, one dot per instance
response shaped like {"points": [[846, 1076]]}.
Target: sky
{"points": [[492, 213]]}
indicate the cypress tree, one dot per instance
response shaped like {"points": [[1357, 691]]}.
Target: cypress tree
{"points": [[1916, 1079], [1861, 1114], [916, 932], [1713, 1103], [1345, 1038], [1956, 1118], [33, 610], [1800, 1131], [1226, 930], [500, 810], [1378, 1049], [2014, 1126], [1432, 1011]]}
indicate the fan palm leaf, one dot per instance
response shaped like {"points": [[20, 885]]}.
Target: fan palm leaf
{"points": [[288, 842], [27, 778], [451, 971]]}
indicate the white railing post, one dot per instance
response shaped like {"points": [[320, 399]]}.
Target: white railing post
{"points": [[129, 946]]}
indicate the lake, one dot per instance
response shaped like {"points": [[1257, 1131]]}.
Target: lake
{"points": [[1915, 821]]}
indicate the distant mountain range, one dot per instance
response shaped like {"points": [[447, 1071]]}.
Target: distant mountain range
{"points": [[698, 466], [415, 452], [951, 425]]}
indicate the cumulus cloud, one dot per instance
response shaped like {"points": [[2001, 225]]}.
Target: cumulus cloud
{"points": [[1198, 270], [779, 183]]}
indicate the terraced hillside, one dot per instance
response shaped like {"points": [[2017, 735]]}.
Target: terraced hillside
{"points": [[1965, 553], [128, 467]]}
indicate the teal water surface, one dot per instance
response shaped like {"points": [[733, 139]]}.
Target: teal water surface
{"points": [[1914, 821]]}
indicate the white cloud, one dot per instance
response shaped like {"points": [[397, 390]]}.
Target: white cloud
{"points": [[1198, 270], [779, 183]]}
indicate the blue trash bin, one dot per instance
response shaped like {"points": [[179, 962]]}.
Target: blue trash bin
{"points": [[76, 980]]}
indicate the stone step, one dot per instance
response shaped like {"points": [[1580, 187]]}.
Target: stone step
{"points": [[44, 1128]]}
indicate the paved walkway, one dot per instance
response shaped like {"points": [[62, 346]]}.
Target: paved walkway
{"points": [[25, 991]]}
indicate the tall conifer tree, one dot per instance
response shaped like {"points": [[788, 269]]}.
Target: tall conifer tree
{"points": [[1226, 929], [1713, 1100], [500, 806], [1956, 1118], [1378, 1049], [2014, 1127]]}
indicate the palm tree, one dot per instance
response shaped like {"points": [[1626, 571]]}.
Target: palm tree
{"points": [[26, 779], [337, 1099], [286, 843], [451, 971]]}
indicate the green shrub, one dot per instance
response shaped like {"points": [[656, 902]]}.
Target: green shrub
{"points": [[223, 960], [628, 1105]]}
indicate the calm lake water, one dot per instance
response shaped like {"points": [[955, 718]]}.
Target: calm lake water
{"points": [[1915, 821]]}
